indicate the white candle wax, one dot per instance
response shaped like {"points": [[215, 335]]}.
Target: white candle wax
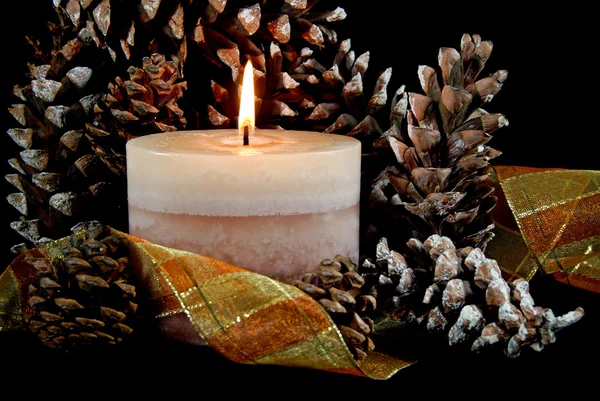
{"points": [[276, 207]]}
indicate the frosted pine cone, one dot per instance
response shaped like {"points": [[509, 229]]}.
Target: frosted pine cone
{"points": [[461, 294]]}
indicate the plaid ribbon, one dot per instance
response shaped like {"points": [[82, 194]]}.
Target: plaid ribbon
{"points": [[247, 317], [548, 219]]}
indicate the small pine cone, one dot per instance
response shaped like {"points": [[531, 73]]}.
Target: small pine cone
{"points": [[338, 287], [146, 103], [84, 298]]}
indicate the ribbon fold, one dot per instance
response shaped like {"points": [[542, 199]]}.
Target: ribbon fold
{"points": [[247, 317], [548, 219]]}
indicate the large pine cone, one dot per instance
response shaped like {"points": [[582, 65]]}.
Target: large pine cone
{"points": [[84, 298], [435, 180]]}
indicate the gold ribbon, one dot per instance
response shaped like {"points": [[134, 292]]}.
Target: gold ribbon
{"points": [[548, 219], [246, 317]]}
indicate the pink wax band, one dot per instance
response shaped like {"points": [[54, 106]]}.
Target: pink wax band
{"points": [[277, 206]]}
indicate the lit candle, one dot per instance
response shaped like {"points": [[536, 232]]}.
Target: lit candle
{"points": [[276, 203]]}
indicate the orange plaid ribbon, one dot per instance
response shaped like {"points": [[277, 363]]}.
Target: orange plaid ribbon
{"points": [[247, 317], [548, 219]]}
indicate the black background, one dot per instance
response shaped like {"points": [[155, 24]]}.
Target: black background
{"points": [[550, 99]]}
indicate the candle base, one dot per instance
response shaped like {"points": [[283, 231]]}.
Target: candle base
{"points": [[283, 247]]}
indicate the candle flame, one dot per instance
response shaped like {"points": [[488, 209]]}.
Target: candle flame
{"points": [[246, 117]]}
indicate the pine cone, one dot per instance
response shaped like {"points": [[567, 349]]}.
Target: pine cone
{"points": [[144, 104], [149, 98], [461, 294], [389, 279], [435, 182], [294, 89], [337, 285], [56, 172], [298, 91], [59, 176], [84, 298]]}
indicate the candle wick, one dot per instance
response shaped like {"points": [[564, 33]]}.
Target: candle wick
{"points": [[246, 135]]}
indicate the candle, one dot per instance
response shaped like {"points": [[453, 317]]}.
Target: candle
{"points": [[277, 202]]}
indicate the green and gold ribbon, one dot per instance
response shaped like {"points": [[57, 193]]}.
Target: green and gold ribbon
{"points": [[548, 219], [247, 317]]}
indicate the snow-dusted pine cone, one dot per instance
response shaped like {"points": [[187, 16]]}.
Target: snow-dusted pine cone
{"points": [[461, 294]]}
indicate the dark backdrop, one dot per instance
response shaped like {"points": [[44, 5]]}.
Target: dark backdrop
{"points": [[550, 101]]}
